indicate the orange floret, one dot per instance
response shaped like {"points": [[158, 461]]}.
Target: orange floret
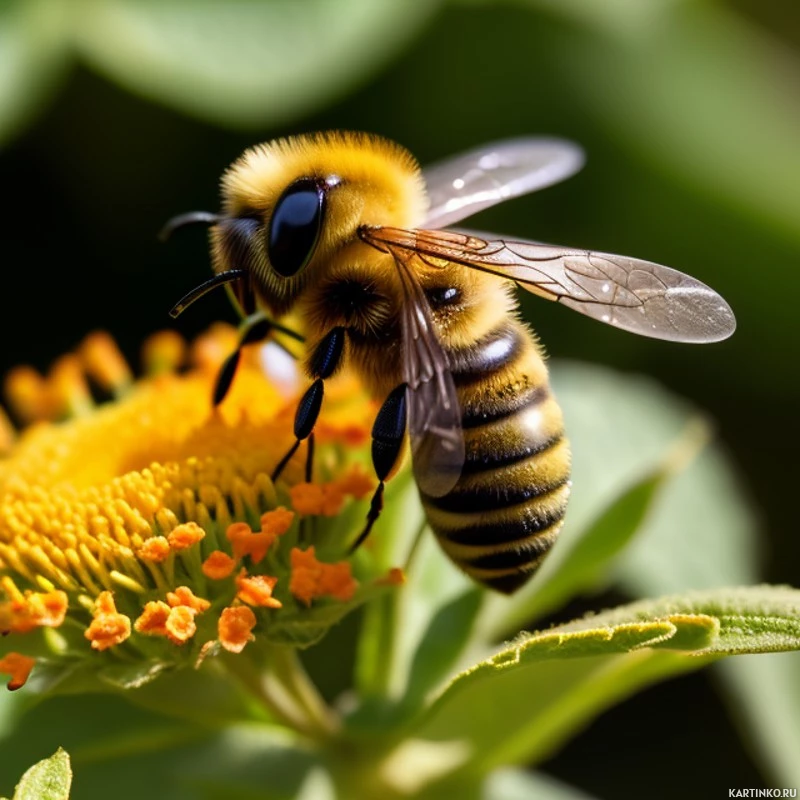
{"points": [[313, 498], [235, 628], [237, 533], [155, 549], [277, 521], [306, 572], [307, 498], [18, 667], [108, 626], [247, 543], [395, 577], [256, 590], [176, 623], [218, 566], [153, 619], [23, 612], [180, 624], [356, 483], [183, 596], [48, 608], [183, 536], [312, 578], [338, 581]]}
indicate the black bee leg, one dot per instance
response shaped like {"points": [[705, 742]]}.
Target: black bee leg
{"points": [[325, 360], [254, 328], [388, 433], [310, 458]]}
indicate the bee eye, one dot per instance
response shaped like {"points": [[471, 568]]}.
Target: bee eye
{"points": [[295, 226]]}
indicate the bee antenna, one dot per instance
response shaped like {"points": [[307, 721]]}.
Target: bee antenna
{"points": [[190, 218], [229, 276]]}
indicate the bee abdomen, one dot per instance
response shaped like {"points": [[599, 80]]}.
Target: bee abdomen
{"points": [[505, 512]]}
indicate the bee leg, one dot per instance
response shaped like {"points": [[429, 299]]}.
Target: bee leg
{"points": [[388, 433], [254, 328], [324, 361]]}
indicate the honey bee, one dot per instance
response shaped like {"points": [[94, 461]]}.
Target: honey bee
{"points": [[347, 233]]}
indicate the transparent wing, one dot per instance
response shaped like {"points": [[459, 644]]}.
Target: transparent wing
{"points": [[467, 183], [628, 293], [434, 416]]}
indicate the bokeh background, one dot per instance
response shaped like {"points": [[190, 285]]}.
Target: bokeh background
{"points": [[117, 114]]}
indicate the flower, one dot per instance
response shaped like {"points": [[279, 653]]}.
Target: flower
{"points": [[150, 524]]}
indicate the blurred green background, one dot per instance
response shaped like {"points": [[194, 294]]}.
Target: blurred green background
{"points": [[116, 115]]}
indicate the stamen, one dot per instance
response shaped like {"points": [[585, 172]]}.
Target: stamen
{"points": [[104, 363]]}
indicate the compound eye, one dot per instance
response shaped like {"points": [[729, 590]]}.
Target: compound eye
{"points": [[295, 226]]}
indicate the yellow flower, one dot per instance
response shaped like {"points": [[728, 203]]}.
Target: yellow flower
{"points": [[150, 522]]}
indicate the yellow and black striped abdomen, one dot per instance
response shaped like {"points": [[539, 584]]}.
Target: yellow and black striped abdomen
{"points": [[507, 508]]}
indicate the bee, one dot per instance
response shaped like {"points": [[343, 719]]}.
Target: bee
{"points": [[347, 233]]}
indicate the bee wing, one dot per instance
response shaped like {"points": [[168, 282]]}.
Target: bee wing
{"points": [[628, 293], [469, 182], [434, 415]]}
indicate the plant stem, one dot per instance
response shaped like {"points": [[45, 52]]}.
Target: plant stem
{"points": [[285, 692], [289, 670]]}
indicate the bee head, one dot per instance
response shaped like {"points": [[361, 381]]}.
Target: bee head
{"points": [[291, 205]]}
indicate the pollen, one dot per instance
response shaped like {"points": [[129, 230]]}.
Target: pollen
{"points": [[313, 578], [108, 627], [256, 590], [184, 596], [153, 619], [180, 625], [317, 499], [155, 549], [184, 536], [235, 628]]}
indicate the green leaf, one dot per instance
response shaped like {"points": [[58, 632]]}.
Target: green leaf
{"points": [[33, 59], [242, 63], [116, 749], [246, 762], [751, 619], [48, 780], [442, 645], [521, 714], [518, 705]]}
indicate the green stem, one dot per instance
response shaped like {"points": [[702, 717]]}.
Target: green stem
{"points": [[289, 670], [269, 687]]}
